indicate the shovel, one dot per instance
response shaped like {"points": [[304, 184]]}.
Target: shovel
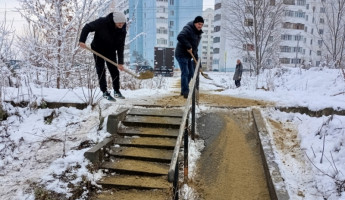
{"points": [[202, 73], [142, 75]]}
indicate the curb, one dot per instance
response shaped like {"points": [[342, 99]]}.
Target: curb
{"points": [[275, 182]]}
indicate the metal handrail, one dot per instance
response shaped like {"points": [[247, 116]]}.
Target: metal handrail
{"points": [[191, 96]]}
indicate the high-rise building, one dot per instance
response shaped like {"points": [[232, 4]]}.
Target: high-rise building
{"points": [[154, 26], [207, 39], [219, 38]]}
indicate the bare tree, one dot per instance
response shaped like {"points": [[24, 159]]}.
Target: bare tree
{"points": [[331, 31], [51, 40], [253, 26], [6, 54]]}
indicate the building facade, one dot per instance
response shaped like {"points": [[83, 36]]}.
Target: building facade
{"points": [[154, 26], [300, 44], [207, 40]]}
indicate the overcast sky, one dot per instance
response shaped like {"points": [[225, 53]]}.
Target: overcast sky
{"points": [[208, 4]]}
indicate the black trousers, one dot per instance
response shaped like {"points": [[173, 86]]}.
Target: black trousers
{"points": [[238, 83], [101, 72]]}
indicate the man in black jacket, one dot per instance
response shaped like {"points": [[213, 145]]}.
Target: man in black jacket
{"points": [[188, 42], [109, 40]]}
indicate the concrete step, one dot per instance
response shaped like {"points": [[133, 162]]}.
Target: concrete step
{"points": [[130, 166], [152, 121], [147, 132], [148, 154], [159, 143], [156, 112], [134, 195], [135, 182]]}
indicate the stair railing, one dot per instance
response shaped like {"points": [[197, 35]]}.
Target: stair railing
{"points": [[183, 132]]}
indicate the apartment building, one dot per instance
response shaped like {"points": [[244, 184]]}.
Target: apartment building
{"points": [[300, 43], [207, 39], [154, 26]]}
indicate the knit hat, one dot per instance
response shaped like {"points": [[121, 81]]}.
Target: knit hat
{"points": [[198, 19], [119, 17]]}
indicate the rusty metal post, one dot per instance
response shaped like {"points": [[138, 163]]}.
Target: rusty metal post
{"points": [[185, 165], [175, 184], [193, 115]]}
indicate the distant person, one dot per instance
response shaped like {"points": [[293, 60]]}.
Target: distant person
{"points": [[109, 40], [188, 42], [238, 73]]}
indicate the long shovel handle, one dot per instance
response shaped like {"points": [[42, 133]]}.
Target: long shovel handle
{"points": [[202, 72], [110, 61]]}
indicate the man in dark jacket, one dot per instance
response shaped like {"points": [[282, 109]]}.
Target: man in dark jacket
{"points": [[238, 73], [188, 42], [109, 40]]}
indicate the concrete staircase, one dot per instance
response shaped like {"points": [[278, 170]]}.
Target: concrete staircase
{"points": [[140, 156]]}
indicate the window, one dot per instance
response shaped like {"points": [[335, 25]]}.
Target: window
{"points": [[216, 39], [298, 26], [289, 2], [322, 20], [284, 60], [298, 37], [295, 61], [285, 49], [248, 22], [311, 41], [301, 2], [248, 47], [320, 42], [216, 50], [249, 9], [162, 30], [321, 31], [318, 53], [162, 41], [299, 14], [172, 2], [322, 10], [171, 23], [287, 25], [249, 35], [297, 49], [217, 17], [217, 6], [216, 28], [286, 37], [289, 13]]}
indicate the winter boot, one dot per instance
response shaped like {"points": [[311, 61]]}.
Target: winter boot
{"points": [[108, 97], [118, 95]]}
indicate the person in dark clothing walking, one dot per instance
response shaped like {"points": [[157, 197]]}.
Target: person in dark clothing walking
{"points": [[109, 40], [238, 73], [188, 42]]}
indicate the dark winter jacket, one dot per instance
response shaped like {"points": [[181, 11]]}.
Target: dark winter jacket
{"points": [[238, 72], [188, 38], [107, 39]]}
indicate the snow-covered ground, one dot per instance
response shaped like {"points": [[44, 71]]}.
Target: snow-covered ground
{"points": [[309, 150]]}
